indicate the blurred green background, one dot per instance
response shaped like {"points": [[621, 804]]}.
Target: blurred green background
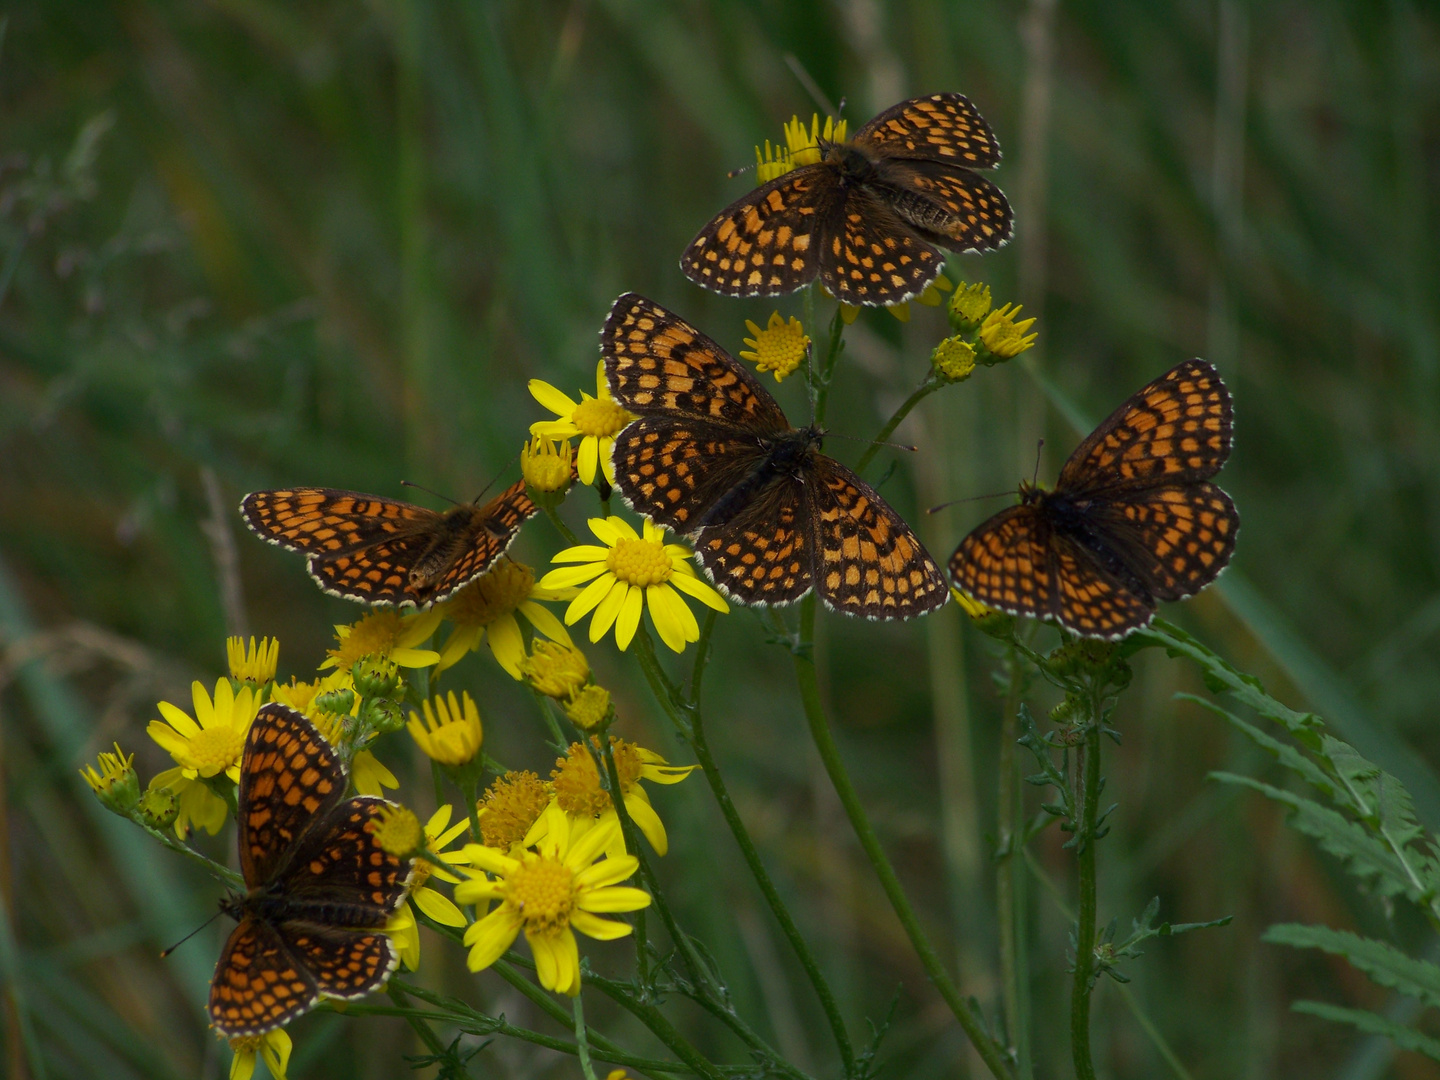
{"points": [[249, 243]]}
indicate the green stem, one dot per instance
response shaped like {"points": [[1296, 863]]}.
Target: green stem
{"points": [[931, 383], [582, 1042], [692, 726], [560, 526], [832, 354], [560, 743], [415, 1020], [1087, 794], [1010, 901], [666, 1032], [222, 874], [989, 1051]]}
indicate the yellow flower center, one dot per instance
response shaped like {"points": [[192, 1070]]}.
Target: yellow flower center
{"points": [[247, 1044], [397, 831], [213, 750], [555, 669], [420, 876], [577, 780], [298, 695], [496, 594], [511, 804], [599, 418], [377, 634], [544, 466], [641, 563], [954, 359], [780, 347], [970, 303], [542, 890]]}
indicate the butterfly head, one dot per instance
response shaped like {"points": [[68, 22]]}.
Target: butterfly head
{"points": [[1031, 492], [233, 904], [852, 162]]}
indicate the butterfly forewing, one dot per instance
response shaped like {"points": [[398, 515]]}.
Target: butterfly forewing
{"points": [[1175, 430], [1006, 563], [259, 985], [941, 127]]}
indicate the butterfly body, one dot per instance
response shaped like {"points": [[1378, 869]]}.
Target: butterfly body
{"points": [[1133, 519], [869, 216], [319, 888], [713, 458], [382, 551]]}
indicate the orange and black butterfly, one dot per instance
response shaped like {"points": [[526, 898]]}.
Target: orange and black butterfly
{"points": [[713, 458], [320, 886], [869, 216], [1133, 518], [380, 551]]}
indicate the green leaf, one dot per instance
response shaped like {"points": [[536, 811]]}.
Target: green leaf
{"points": [[1283, 752], [1403, 1037], [1384, 963]]}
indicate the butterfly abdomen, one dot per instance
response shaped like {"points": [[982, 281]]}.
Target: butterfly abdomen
{"points": [[1070, 517], [785, 455]]}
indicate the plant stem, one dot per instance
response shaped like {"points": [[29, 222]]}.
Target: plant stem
{"points": [[1087, 794], [421, 1028], [1010, 899], [928, 386], [582, 1043], [688, 718], [989, 1051], [560, 526]]}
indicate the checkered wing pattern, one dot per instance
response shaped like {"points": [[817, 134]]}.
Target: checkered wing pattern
{"points": [[867, 561], [340, 867], [258, 985], [656, 362], [955, 208], [1175, 539], [873, 257], [343, 964], [479, 538], [324, 522], [765, 242], [1089, 599], [1175, 430], [1006, 564], [674, 470], [289, 778], [764, 554], [941, 127]]}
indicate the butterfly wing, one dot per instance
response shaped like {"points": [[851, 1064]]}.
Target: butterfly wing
{"points": [[867, 561], [765, 242], [289, 779], [490, 532], [340, 868], [762, 555], [657, 363], [1176, 430], [950, 206], [873, 257], [942, 127], [1005, 563], [1176, 540], [1089, 599], [343, 963], [258, 984]]}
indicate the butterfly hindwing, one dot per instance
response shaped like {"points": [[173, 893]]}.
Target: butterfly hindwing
{"points": [[941, 127], [1176, 539], [343, 964], [673, 470], [1005, 563], [1090, 599], [340, 865], [764, 553], [258, 985], [873, 257], [953, 207]]}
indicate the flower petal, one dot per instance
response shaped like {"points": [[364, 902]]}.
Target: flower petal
{"points": [[438, 907], [582, 553], [491, 859], [566, 577], [643, 814], [609, 608], [613, 898], [544, 620], [588, 847], [605, 530], [170, 740], [551, 398], [507, 643], [588, 459], [546, 965], [693, 586], [605, 448], [491, 936], [179, 719], [200, 701], [596, 927], [629, 617], [591, 595], [609, 871]]}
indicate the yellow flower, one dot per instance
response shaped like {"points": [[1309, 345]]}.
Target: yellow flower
{"points": [[578, 792], [116, 785], [397, 831], [439, 833], [490, 604], [549, 894], [304, 697], [546, 466], [196, 804], [969, 605], [215, 744], [256, 664], [589, 707], [450, 733], [969, 305], [772, 164], [953, 359], [989, 621], [804, 146], [780, 347], [369, 776], [597, 420], [555, 669], [388, 636], [1005, 337], [273, 1046], [510, 807], [631, 572]]}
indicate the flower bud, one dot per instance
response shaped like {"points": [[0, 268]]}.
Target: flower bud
{"points": [[548, 469], [953, 359], [115, 785], [968, 305], [555, 669], [589, 708]]}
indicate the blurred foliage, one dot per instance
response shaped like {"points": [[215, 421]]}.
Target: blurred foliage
{"points": [[246, 243]]}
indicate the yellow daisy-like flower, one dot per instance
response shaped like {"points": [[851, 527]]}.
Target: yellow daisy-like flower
{"points": [[969, 305], [629, 573], [303, 696], [403, 928], [578, 792], [450, 733], [549, 894], [804, 146], [388, 636], [596, 420], [116, 785], [485, 610], [196, 804], [273, 1046], [953, 359], [546, 465], [256, 664], [589, 707], [556, 670], [213, 745], [369, 776], [780, 347], [510, 807], [1005, 337]]}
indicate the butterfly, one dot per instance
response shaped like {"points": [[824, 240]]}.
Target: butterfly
{"points": [[1133, 518], [713, 458], [869, 216], [380, 551], [320, 887]]}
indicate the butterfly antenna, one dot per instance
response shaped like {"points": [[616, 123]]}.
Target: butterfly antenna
{"points": [[503, 470], [740, 171], [191, 934], [971, 498], [872, 442], [428, 491], [1035, 478], [812, 88]]}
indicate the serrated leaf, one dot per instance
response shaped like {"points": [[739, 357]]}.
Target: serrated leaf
{"points": [[1348, 761], [1284, 753], [1383, 963], [1368, 1022]]}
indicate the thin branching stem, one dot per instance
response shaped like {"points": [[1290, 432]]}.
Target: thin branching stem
{"points": [[1087, 795], [582, 1040], [1010, 893], [928, 386], [560, 526]]}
